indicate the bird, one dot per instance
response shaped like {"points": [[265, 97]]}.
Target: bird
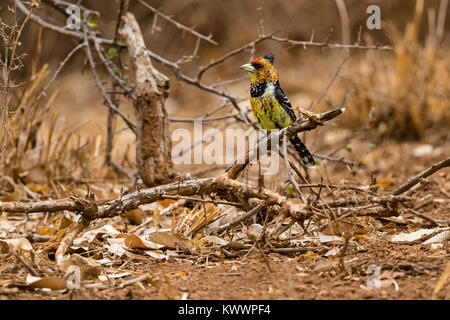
{"points": [[270, 105]]}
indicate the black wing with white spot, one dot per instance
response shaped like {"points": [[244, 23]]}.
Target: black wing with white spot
{"points": [[284, 101]]}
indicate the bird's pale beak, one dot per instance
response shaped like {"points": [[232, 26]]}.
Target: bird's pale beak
{"points": [[248, 67]]}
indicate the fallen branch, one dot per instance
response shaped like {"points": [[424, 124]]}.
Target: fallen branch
{"points": [[361, 200], [415, 179], [41, 206]]}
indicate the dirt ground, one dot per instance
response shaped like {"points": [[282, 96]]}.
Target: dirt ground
{"points": [[416, 269]]}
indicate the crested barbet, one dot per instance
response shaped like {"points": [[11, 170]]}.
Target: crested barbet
{"points": [[270, 105]]}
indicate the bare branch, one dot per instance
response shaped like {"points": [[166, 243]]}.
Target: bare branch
{"points": [[415, 179], [311, 43], [177, 24], [230, 54], [109, 103], [333, 78]]}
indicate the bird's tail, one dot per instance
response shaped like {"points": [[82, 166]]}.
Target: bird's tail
{"points": [[302, 151]]}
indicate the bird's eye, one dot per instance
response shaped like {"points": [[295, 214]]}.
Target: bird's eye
{"points": [[257, 66]]}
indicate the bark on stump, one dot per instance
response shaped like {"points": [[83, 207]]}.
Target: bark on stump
{"points": [[153, 145]]}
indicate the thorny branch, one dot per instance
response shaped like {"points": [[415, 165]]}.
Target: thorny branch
{"points": [[177, 24]]}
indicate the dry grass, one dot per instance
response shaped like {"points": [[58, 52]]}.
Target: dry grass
{"points": [[404, 95], [40, 145]]}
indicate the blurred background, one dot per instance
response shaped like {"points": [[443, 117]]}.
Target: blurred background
{"points": [[397, 100]]}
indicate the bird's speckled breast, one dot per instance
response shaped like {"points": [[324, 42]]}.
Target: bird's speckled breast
{"points": [[268, 112]]}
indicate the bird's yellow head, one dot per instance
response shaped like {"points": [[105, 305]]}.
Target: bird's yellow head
{"points": [[261, 69]]}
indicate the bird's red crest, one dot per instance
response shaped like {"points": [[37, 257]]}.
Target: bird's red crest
{"points": [[256, 60]]}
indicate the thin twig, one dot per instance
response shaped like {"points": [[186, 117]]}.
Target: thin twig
{"points": [[415, 179], [177, 24], [330, 83], [241, 218]]}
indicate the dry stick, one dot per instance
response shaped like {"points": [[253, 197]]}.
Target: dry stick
{"points": [[272, 36], [277, 230], [343, 252], [241, 218], [294, 250], [322, 185], [124, 4], [109, 103], [222, 105], [325, 90], [109, 143], [101, 286], [110, 134], [204, 212], [37, 238], [203, 120], [41, 206], [27, 266], [282, 229], [177, 24], [225, 82], [207, 170], [266, 261], [222, 184], [415, 179], [333, 159], [203, 200], [420, 215], [297, 171], [68, 238], [47, 25], [109, 67], [232, 53], [109, 146], [442, 281], [16, 42], [55, 75], [311, 43], [360, 200], [88, 211]]}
